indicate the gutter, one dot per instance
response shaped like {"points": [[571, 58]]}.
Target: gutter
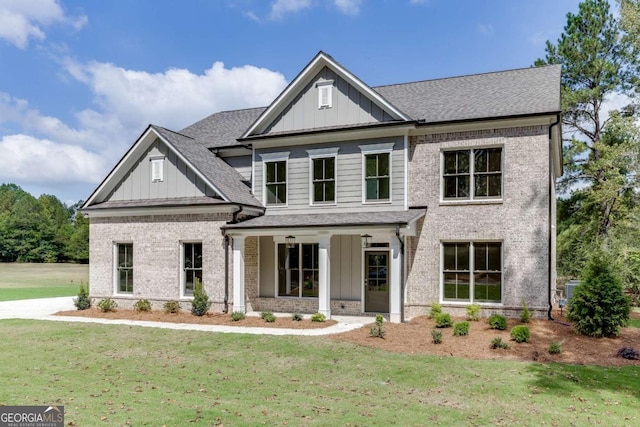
{"points": [[551, 173], [402, 279]]}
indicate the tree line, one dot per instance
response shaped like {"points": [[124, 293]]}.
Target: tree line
{"points": [[599, 193], [41, 229]]}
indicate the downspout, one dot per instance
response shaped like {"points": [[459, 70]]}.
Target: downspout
{"points": [[234, 220], [402, 284], [551, 201]]}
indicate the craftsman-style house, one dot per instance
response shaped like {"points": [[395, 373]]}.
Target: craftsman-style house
{"points": [[342, 198]]}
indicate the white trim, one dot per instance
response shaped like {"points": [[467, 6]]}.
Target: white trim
{"points": [[157, 169], [383, 148], [364, 274], [472, 199], [323, 153], [325, 88], [169, 210], [406, 172], [116, 276], [183, 278], [273, 158]]}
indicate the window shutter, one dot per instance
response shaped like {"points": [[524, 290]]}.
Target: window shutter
{"points": [[157, 169]]}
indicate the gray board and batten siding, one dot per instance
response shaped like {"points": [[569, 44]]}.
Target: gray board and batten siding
{"points": [[179, 180], [349, 107], [349, 182]]}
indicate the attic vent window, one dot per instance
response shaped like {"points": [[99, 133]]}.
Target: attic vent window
{"points": [[157, 169], [325, 94]]}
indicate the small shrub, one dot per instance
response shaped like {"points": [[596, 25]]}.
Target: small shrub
{"points": [[520, 333], [318, 317], [268, 316], [461, 328], [237, 316], [497, 343], [171, 307], [142, 305], [555, 347], [377, 330], [435, 310], [436, 336], [107, 305], [296, 317], [473, 312], [525, 316], [443, 320], [83, 301], [200, 304], [629, 353], [498, 321]]}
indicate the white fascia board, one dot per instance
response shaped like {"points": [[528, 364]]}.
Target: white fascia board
{"points": [[167, 210], [482, 124], [375, 230]]}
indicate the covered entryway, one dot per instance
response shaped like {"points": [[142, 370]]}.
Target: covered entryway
{"points": [[376, 281]]}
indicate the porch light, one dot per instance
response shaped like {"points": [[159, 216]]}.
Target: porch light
{"points": [[291, 242], [366, 240]]}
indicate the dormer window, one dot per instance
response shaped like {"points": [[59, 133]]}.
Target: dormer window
{"points": [[325, 94], [157, 169]]}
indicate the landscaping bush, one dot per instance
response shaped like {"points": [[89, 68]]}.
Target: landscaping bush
{"points": [[520, 333], [107, 304], [555, 347], [171, 307], [599, 307], [318, 317], [83, 301], [142, 305], [525, 316], [435, 310], [377, 331], [436, 336], [268, 316], [498, 343], [498, 321], [443, 320], [629, 353], [237, 316], [200, 304], [461, 328], [473, 312], [296, 317]]}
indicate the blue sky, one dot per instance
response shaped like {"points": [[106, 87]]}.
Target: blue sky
{"points": [[80, 80]]}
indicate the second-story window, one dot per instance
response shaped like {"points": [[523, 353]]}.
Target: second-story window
{"points": [[472, 174], [377, 177], [276, 182], [324, 179]]}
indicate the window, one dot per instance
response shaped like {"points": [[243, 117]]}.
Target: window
{"points": [[124, 267], [377, 177], [325, 94], [276, 182], [298, 270], [157, 170], [472, 272], [323, 179], [191, 266], [472, 174]]}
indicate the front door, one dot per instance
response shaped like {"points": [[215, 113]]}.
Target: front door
{"points": [[376, 282]]}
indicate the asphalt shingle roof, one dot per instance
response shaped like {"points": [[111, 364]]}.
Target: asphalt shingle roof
{"points": [[223, 128]]}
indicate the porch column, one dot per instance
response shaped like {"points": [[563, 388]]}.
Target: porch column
{"points": [[238, 274], [395, 288], [324, 276]]}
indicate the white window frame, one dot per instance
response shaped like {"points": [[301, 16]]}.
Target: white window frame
{"points": [[299, 241], [325, 89], [376, 149], [157, 169], [323, 153], [472, 197], [183, 277], [271, 158], [471, 272], [116, 271]]}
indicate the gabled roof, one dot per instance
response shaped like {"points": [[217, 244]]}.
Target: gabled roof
{"points": [[320, 61], [222, 129]]}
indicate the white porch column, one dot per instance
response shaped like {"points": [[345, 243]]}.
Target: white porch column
{"points": [[238, 274], [324, 276], [395, 288]]}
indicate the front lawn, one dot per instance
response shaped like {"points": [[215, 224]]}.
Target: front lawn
{"points": [[32, 280], [122, 375]]}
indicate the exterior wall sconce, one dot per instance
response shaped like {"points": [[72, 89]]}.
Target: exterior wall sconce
{"points": [[290, 241], [366, 240]]}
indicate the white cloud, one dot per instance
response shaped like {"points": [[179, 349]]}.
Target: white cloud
{"points": [[28, 159], [22, 20], [485, 29], [349, 7], [279, 8]]}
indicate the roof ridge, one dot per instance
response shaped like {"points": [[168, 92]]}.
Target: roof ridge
{"points": [[172, 131]]}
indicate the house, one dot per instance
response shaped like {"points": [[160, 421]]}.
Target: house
{"points": [[342, 198]]}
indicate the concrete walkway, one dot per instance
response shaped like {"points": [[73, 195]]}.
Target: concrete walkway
{"points": [[44, 308]]}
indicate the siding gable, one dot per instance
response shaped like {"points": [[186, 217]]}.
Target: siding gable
{"points": [[179, 180], [349, 106]]}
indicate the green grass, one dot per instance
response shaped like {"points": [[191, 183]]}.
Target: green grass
{"points": [[25, 281], [123, 375]]}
